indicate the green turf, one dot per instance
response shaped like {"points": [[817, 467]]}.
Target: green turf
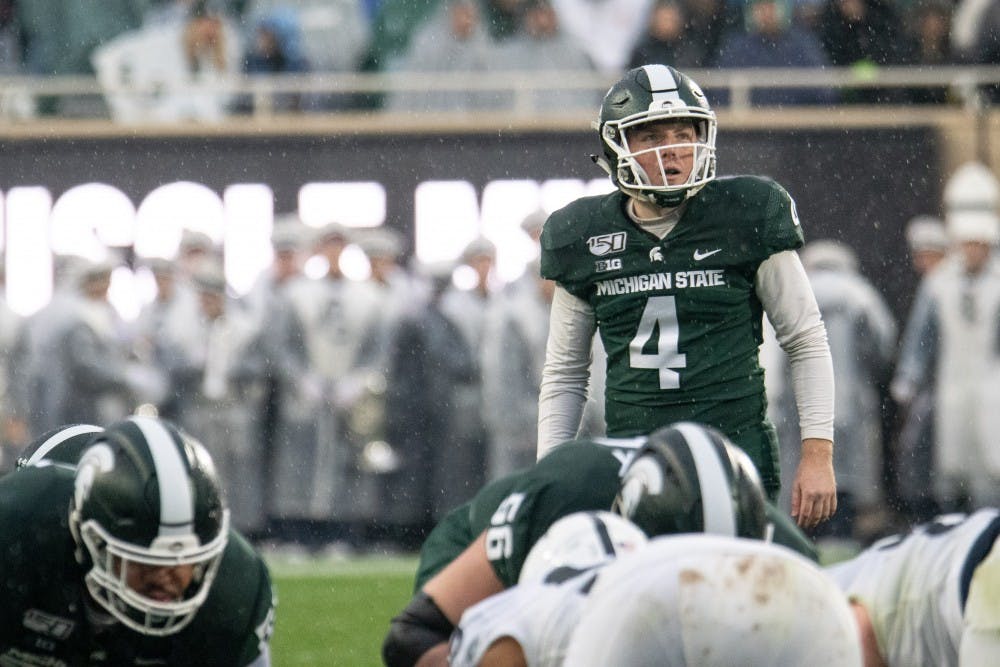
{"points": [[336, 613]]}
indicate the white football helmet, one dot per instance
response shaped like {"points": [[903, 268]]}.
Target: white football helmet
{"points": [[578, 542]]}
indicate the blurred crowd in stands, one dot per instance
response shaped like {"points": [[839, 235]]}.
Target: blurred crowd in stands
{"points": [[161, 43]]}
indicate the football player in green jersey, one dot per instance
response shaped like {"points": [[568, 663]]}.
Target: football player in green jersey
{"points": [[681, 479], [674, 271], [126, 557]]}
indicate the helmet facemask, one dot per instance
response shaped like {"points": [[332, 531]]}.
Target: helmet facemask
{"points": [[112, 559], [655, 188]]}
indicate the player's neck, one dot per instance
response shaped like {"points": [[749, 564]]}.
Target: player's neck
{"points": [[654, 219], [644, 211]]}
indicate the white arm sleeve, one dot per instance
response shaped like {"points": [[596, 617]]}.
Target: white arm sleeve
{"points": [[784, 290], [539, 617], [566, 373]]}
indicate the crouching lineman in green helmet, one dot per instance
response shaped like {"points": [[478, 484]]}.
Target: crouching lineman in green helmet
{"points": [[115, 549]]}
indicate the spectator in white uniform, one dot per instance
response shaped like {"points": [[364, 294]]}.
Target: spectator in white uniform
{"points": [[862, 336], [956, 321]]}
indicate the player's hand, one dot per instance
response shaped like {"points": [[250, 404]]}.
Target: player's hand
{"points": [[814, 492]]}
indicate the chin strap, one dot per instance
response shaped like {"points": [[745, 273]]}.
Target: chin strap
{"points": [[602, 162], [79, 552]]}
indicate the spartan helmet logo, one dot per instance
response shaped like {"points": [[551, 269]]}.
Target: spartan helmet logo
{"points": [[644, 476], [97, 459], [656, 255]]}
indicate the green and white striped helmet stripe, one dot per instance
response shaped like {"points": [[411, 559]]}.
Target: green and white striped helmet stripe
{"points": [[58, 439], [713, 479], [662, 84], [176, 493]]}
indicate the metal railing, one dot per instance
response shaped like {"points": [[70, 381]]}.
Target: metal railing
{"points": [[19, 94]]}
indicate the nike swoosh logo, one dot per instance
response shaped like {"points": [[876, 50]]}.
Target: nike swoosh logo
{"points": [[698, 255]]}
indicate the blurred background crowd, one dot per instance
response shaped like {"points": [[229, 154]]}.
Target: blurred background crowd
{"points": [[165, 46], [346, 412]]}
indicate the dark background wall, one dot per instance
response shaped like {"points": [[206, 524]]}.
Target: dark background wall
{"points": [[859, 186]]}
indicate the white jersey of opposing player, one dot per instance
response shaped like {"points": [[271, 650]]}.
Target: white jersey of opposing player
{"points": [[914, 586], [540, 617], [714, 601]]}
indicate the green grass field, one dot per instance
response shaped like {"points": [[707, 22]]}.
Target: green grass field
{"points": [[335, 612]]}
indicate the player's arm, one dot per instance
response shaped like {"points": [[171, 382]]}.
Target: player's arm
{"points": [[418, 636], [505, 652], [787, 297], [866, 633], [566, 373]]}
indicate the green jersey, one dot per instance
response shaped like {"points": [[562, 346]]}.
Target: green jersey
{"points": [[679, 317], [47, 617], [516, 510]]}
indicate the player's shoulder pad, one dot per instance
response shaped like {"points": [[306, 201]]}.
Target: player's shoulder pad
{"points": [[571, 223], [34, 504], [33, 487], [749, 192], [768, 217], [241, 598]]}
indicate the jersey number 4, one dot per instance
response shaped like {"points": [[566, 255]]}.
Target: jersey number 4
{"points": [[660, 314]]}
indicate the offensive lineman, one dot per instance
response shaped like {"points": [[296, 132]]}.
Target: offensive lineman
{"points": [[674, 271], [126, 558], [700, 481], [930, 597]]}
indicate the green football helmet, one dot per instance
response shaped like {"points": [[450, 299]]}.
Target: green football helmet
{"points": [[648, 94], [689, 478], [147, 496]]}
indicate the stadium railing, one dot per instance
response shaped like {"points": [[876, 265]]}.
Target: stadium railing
{"points": [[964, 86]]}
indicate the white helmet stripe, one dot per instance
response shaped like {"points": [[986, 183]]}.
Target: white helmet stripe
{"points": [[662, 85], [59, 438], [716, 502], [176, 495]]}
